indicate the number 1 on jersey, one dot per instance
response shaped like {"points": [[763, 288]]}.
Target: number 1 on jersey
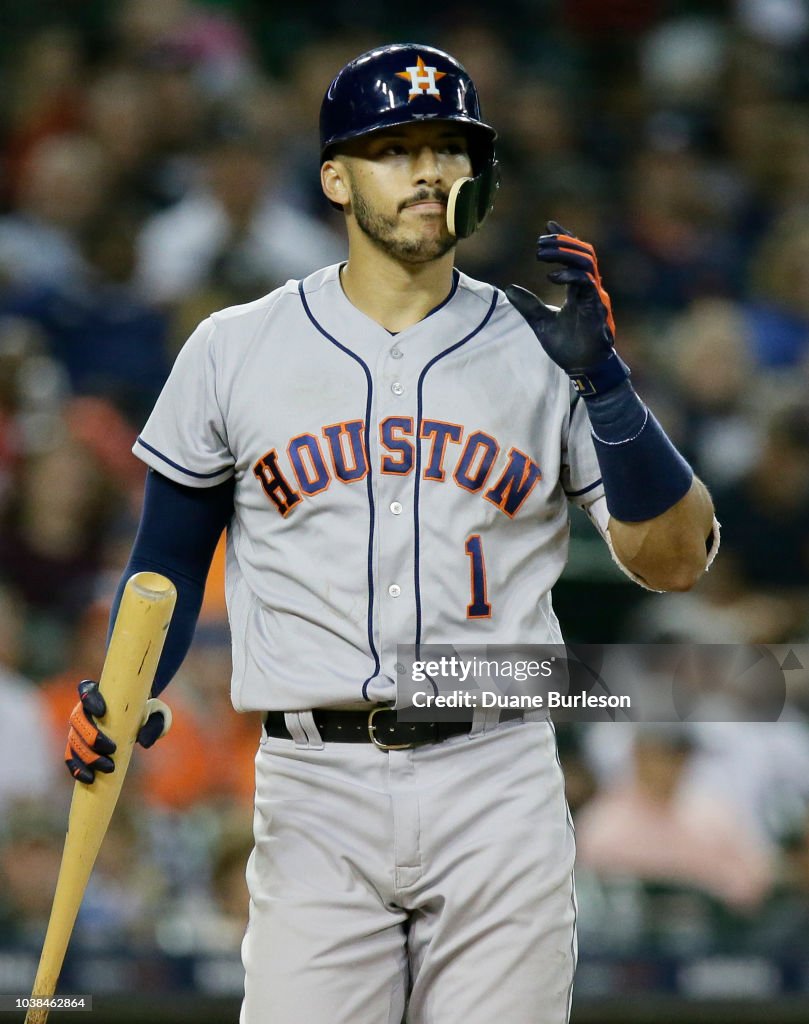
{"points": [[478, 607]]}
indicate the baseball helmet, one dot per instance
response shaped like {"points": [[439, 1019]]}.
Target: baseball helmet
{"points": [[404, 83]]}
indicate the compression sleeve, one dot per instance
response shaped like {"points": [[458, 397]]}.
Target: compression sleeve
{"points": [[642, 472], [179, 529]]}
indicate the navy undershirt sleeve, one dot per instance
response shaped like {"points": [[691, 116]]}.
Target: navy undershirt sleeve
{"points": [[179, 529]]}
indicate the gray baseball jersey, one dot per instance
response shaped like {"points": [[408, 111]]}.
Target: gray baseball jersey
{"points": [[408, 488]]}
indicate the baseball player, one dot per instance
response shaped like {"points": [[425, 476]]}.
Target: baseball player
{"points": [[393, 448]]}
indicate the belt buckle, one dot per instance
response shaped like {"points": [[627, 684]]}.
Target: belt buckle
{"points": [[378, 743]]}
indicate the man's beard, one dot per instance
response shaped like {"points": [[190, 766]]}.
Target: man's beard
{"points": [[382, 232]]}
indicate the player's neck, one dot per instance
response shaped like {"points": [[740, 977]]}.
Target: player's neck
{"points": [[394, 294]]}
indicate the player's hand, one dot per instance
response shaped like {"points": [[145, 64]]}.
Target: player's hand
{"points": [[580, 337], [88, 749]]}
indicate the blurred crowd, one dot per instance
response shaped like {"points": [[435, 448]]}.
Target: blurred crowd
{"points": [[159, 160]]}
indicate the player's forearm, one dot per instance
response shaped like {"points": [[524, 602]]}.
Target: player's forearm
{"points": [[670, 551], [661, 515]]}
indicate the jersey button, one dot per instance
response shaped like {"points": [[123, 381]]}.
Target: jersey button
{"points": [[396, 508], [394, 590], [397, 388], [396, 353]]}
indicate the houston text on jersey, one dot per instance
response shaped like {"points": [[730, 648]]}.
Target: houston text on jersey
{"points": [[342, 454]]}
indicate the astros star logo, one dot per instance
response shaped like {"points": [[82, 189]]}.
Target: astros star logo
{"points": [[422, 80]]}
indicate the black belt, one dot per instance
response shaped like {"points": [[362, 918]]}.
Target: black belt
{"points": [[379, 726]]}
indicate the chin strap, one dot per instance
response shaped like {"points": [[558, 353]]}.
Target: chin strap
{"points": [[471, 200]]}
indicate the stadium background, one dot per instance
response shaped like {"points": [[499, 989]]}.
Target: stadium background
{"points": [[159, 160]]}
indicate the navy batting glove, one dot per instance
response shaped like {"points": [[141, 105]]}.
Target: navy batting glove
{"points": [[88, 749], [580, 337]]}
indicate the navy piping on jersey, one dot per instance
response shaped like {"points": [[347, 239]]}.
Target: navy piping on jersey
{"points": [[574, 401], [417, 488], [584, 490], [456, 277], [175, 465], [369, 485]]}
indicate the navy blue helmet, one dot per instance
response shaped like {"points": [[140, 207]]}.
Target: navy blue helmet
{"points": [[402, 83], [397, 84]]}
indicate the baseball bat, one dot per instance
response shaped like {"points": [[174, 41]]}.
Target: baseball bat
{"points": [[126, 680]]}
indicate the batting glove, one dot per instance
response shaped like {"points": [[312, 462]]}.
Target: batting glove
{"points": [[88, 749], [579, 337]]}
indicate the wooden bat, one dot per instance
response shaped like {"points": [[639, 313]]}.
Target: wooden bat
{"points": [[126, 679]]}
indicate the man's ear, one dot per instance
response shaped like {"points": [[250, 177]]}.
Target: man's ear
{"points": [[334, 181]]}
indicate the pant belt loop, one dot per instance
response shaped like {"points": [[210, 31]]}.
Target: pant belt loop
{"points": [[302, 729], [483, 720]]}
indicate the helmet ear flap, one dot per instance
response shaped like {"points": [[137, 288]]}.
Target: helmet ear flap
{"points": [[471, 200]]}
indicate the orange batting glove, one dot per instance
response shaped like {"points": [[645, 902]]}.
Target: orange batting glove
{"points": [[88, 749]]}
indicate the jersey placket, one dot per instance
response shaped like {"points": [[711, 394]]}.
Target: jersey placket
{"points": [[395, 386]]}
